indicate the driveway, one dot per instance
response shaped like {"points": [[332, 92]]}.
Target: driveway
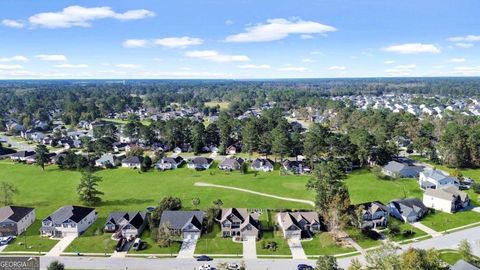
{"points": [[188, 246], [61, 246], [426, 229], [250, 248], [296, 248]]}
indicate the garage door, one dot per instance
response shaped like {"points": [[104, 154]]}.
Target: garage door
{"points": [[191, 235]]}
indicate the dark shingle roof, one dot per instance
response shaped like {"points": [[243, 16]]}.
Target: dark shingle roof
{"points": [[75, 213], [14, 213], [133, 160], [136, 219], [178, 219]]}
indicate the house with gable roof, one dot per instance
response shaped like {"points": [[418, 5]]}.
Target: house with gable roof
{"points": [[299, 224], [238, 222]]}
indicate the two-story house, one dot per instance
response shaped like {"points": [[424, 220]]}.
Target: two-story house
{"points": [[14, 220], [448, 199], [238, 222], [374, 214], [68, 220], [299, 224], [436, 179]]}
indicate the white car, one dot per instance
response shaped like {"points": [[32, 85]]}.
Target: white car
{"points": [[233, 266], [205, 267]]}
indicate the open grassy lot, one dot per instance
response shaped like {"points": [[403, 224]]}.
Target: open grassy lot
{"points": [[363, 186], [30, 240], [93, 240], [323, 244], [150, 247], [214, 243], [441, 221], [222, 104], [277, 237]]}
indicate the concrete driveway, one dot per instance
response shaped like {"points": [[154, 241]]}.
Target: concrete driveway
{"points": [[426, 229], [296, 248], [250, 248], [188, 247], [61, 246]]}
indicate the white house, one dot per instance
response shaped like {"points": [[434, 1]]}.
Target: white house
{"points": [[448, 199], [68, 221], [432, 178], [14, 220]]}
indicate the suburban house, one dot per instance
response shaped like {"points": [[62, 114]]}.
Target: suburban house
{"points": [[299, 224], [375, 214], [126, 224], [448, 199], [436, 179], [262, 164], [407, 210], [134, 162], [108, 161], [398, 169], [200, 163], [68, 220], [118, 146], [169, 163], [231, 164], [187, 224], [296, 167], [22, 155], [238, 222], [231, 150], [14, 220], [463, 265]]}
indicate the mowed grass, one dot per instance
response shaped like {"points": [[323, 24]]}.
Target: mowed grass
{"points": [[277, 237], [222, 104], [441, 221], [363, 187], [150, 247], [323, 244], [450, 256], [94, 240], [31, 241], [214, 243], [129, 190]]}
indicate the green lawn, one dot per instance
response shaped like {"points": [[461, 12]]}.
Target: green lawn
{"points": [[361, 239], [363, 187], [93, 240], [450, 256], [223, 104], [404, 227], [441, 221], [323, 244], [276, 236], [150, 247], [214, 243], [30, 240]]}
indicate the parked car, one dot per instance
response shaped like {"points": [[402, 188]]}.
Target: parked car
{"points": [[6, 240], [304, 267], [137, 244], [205, 267], [233, 266], [203, 258]]}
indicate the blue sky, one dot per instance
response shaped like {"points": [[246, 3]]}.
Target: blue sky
{"points": [[238, 39]]}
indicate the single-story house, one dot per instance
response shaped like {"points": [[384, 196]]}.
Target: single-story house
{"points": [[134, 162], [296, 167], [407, 210], [432, 178], [14, 220], [231, 150], [448, 199], [126, 224], [262, 164], [299, 224], [402, 170], [107, 161], [187, 224], [238, 222], [169, 163], [22, 155], [68, 220], [231, 164], [375, 214], [200, 163]]}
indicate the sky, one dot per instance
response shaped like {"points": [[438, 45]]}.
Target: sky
{"points": [[238, 39]]}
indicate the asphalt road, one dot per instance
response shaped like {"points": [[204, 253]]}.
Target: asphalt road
{"points": [[442, 242]]}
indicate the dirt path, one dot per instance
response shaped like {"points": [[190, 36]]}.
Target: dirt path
{"points": [[201, 184]]}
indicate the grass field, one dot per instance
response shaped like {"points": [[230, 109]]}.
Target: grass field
{"points": [[93, 240], [214, 243], [323, 244], [363, 186], [150, 247], [30, 240], [450, 256], [223, 104], [441, 221]]}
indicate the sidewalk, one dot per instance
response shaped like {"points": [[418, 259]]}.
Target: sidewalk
{"points": [[426, 229]]}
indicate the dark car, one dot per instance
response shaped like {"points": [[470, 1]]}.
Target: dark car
{"points": [[203, 258], [304, 267]]}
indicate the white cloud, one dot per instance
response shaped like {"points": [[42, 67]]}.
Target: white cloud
{"points": [[71, 66], [412, 48], [468, 38], [229, 22], [13, 23], [388, 62], [308, 60], [438, 67], [304, 36], [464, 45], [16, 58], [294, 69], [251, 66], [216, 56], [8, 67], [457, 60], [82, 16], [135, 43], [409, 66], [277, 29], [337, 68], [178, 42], [52, 57], [128, 66], [473, 70]]}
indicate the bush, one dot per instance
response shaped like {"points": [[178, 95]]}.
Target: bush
{"points": [[476, 187], [394, 229], [56, 265], [371, 234]]}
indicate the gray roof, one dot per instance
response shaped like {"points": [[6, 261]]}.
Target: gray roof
{"points": [[434, 174], [172, 160], [410, 206], [402, 169], [242, 214], [290, 220], [178, 219], [447, 193], [201, 161], [133, 160], [232, 162], [72, 212], [14, 213], [262, 162], [136, 219], [463, 265]]}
